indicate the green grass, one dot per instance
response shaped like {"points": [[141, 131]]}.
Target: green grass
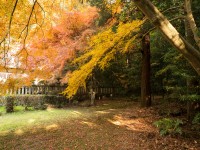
{"points": [[27, 119], [21, 119], [2, 109], [16, 109]]}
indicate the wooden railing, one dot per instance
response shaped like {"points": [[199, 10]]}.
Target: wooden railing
{"points": [[45, 89], [40, 89]]}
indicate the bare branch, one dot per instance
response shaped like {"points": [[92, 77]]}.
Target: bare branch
{"points": [[171, 8], [10, 22], [29, 19]]}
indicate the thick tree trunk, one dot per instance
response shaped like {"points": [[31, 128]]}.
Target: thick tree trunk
{"points": [[171, 34], [145, 76]]}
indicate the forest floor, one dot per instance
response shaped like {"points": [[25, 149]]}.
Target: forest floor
{"points": [[111, 124]]}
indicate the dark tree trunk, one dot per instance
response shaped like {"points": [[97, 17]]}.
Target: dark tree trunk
{"points": [[189, 37], [145, 76]]}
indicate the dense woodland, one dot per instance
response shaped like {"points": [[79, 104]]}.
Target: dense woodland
{"points": [[149, 50]]}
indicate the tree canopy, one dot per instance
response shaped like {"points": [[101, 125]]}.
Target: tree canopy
{"points": [[42, 36]]}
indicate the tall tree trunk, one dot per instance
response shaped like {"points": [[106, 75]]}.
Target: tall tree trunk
{"points": [[190, 37], [145, 76], [171, 34]]}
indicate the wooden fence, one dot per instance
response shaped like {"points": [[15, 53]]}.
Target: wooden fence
{"points": [[44, 89]]}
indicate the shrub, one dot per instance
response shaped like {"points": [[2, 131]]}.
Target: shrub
{"points": [[169, 126], [192, 97], [38, 102], [35, 101], [9, 103], [196, 119], [56, 100]]}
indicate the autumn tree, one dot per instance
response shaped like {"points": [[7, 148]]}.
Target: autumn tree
{"points": [[48, 54], [58, 31], [121, 14], [102, 49]]}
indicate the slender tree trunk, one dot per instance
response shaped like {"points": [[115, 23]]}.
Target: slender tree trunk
{"points": [[171, 34], [145, 76]]}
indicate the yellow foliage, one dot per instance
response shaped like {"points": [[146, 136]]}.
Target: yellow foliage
{"points": [[101, 50], [10, 84]]}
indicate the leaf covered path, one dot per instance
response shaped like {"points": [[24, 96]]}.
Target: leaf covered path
{"points": [[121, 125]]}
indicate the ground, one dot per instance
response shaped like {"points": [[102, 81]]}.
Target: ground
{"points": [[111, 124]]}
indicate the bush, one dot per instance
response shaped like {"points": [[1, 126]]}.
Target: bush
{"points": [[56, 100], [192, 97], [196, 119], [169, 126], [35, 101], [41, 101], [38, 102], [9, 103]]}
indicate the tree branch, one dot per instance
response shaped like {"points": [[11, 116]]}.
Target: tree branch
{"points": [[10, 23], [171, 8]]}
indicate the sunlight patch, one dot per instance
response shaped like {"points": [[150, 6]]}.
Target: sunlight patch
{"points": [[130, 124], [111, 109], [90, 124], [4, 133], [76, 112], [50, 109], [31, 120], [115, 122], [52, 127], [102, 112], [19, 132]]}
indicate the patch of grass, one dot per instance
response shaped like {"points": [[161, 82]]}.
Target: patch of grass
{"points": [[16, 109], [24, 120], [2, 109], [22, 108], [21, 119]]}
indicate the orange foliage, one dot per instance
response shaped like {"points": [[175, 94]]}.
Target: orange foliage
{"points": [[46, 54]]}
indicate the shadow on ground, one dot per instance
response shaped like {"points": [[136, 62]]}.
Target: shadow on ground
{"points": [[103, 127]]}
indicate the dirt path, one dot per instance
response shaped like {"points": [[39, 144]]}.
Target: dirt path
{"points": [[111, 125]]}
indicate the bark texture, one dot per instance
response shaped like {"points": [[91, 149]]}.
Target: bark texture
{"points": [[145, 76]]}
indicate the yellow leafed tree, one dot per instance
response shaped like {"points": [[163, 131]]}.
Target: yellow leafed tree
{"points": [[102, 48]]}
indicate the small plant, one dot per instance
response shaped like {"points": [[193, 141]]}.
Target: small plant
{"points": [[9, 104], [169, 126], [196, 119], [192, 97]]}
